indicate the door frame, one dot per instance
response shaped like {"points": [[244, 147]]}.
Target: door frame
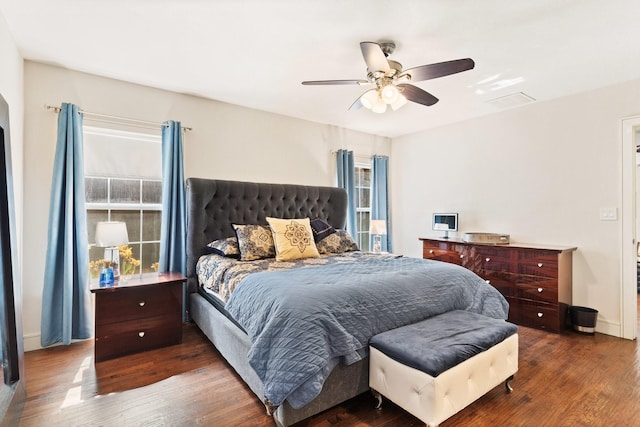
{"points": [[628, 250]]}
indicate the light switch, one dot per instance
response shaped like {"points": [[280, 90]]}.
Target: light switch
{"points": [[608, 214]]}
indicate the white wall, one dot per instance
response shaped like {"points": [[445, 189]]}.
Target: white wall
{"points": [[227, 142], [11, 88], [540, 173]]}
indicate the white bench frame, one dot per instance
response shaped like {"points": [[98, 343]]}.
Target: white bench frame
{"points": [[434, 399]]}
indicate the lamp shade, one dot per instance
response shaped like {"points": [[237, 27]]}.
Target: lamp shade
{"points": [[378, 227], [111, 233]]}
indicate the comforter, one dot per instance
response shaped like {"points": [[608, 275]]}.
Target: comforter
{"points": [[302, 322]]}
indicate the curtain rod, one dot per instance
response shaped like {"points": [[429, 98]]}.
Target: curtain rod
{"points": [[360, 156], [106, 116]]}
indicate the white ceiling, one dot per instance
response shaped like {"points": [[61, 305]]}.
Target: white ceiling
{"points": [[255, 53]]}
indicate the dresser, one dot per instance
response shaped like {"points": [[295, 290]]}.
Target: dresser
{"points": [[536, 280], [137, 314]]}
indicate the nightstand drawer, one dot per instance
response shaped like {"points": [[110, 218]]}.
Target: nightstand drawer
{"points": [[122, 338], [138, 303]]}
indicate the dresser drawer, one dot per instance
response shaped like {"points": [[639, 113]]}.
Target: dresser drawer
{"points": [[534, 314], [538, 263], [117, 339], [137, 303], [505, 283], [494, 259], [435, 254], [541, 289]]}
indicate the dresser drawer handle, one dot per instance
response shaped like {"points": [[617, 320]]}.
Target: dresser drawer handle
{"points": [[141, 303], [141, 334], [540, 314], [540, 290], [461, 256], [487, 259], [431, 251], [539, 264]]}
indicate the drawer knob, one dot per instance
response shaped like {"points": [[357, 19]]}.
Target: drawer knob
{"points": [[141, 334], [540, 315], [141, 303], [487, 259], [540, 290], [539, 264], [431, 251], [461, 256]]}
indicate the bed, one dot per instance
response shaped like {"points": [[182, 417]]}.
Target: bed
{"points": [[340, 366]]}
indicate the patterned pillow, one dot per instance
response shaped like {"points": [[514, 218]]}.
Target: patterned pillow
{"points": [[293, 239], [254, 241], [337, 243], [226, 247], [321, 229]]}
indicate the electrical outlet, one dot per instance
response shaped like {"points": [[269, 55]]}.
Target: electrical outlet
{"points": [[608, 214]]}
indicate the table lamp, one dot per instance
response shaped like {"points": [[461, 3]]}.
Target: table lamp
{"points": [[378, 228], [110, 235]]}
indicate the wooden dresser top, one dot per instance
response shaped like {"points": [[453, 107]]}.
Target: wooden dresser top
{"points": [[541, 246]]}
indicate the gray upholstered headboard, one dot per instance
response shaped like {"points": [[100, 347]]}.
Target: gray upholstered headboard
{"points": [[213, 205]]}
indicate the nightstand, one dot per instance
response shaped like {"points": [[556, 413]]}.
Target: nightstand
{"points": [[137, 314]]}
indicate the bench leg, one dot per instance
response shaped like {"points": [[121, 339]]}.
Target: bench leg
{"points": [[507, 384], [378, 397]]}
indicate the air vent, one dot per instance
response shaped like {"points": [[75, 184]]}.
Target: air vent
{"points": [[512, 100]]}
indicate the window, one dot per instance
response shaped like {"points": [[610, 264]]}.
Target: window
{"points": [[363, 204], [123, 182]]}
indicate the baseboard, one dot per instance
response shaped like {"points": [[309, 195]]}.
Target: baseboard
{"points": [[31, 342], [608, 328]]}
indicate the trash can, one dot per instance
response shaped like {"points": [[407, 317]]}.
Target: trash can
{"points": [[583, 319]]}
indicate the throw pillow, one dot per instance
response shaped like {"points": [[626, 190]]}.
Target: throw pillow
{"points": [[337, 243], [321, 229], [293, 239], [225, 247], [254, 241]]}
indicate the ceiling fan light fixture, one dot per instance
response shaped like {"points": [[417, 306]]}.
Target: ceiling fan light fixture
{"points": [[369, 99], [379, 106], [389, 94], [399, 102]]}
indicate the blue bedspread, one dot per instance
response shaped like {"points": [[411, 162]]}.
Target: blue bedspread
{"points": [[302, 322]]}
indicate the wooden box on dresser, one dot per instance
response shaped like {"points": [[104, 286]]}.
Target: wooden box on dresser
{"points": [[137, 314], [535, 279]]}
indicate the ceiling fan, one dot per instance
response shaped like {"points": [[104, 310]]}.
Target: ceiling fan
{"points": [[392, 82]]}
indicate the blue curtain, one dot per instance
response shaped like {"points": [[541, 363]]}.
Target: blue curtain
{"points": [[173, 231], [380, 196], [346, 180], [66, 299]]}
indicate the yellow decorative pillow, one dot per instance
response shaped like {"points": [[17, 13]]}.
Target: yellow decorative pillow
{"points": [[293, 239]]}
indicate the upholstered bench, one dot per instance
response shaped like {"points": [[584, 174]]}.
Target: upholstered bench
{"points": [[435, 368]]}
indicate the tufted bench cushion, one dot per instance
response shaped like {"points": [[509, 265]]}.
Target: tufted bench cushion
{"points": [[437, 367], [441, 342]]}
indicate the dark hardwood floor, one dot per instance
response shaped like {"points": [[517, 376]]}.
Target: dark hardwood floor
{"points": [[563, 380]]}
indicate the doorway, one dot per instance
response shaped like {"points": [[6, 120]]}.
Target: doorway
{"points": [[629, 249]]}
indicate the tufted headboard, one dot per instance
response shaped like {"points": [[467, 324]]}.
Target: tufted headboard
{"points": [[213, 205]]}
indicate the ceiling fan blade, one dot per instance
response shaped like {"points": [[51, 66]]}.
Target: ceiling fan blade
{"points": [[357, 104], [374, 57], [415, 94], [440, 69], [335, 82]]}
